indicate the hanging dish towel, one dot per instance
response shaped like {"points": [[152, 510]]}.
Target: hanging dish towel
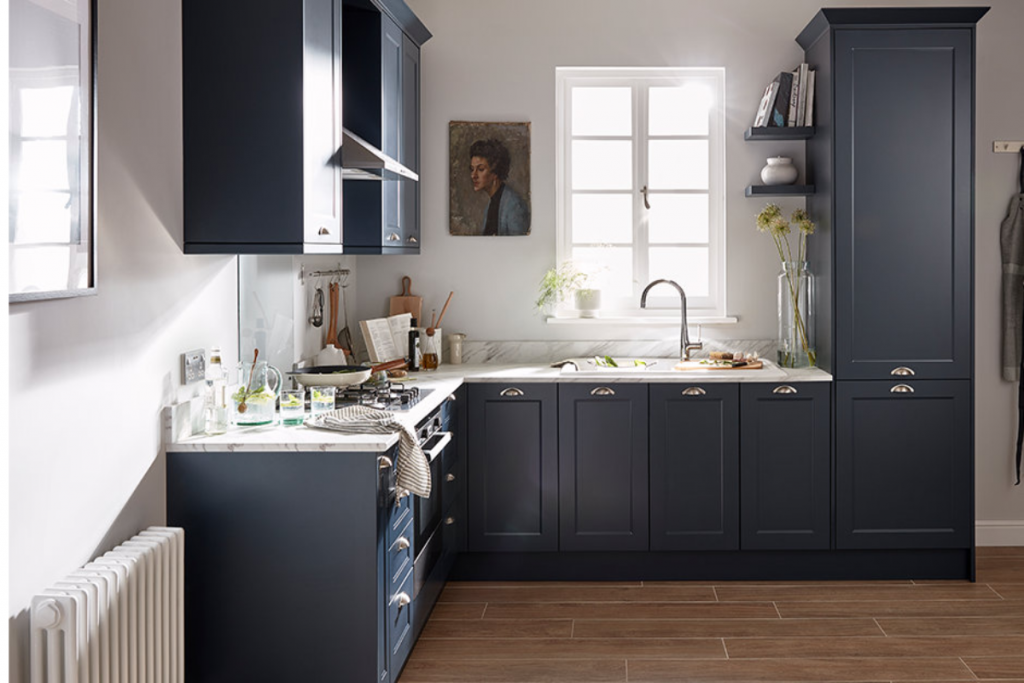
{"points": [[412, 469], [1011, 242]]}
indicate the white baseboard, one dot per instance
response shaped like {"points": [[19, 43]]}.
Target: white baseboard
{"points": [[999, 532]]}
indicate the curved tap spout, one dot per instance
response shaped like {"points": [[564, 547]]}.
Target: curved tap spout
{"points": [[685, 346]]}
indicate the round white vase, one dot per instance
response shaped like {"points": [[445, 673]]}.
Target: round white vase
{"points": [[779, 171]]}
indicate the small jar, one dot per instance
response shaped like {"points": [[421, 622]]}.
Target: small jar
{"points": [[455, 348], [779, 171]]}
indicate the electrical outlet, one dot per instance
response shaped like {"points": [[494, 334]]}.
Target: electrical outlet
{"points": [[193, 366]]}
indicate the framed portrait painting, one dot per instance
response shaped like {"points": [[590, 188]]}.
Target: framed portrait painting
{"points": [[489, 183]]}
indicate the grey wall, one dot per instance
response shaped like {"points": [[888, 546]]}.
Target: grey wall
{"points": [[88, 376], [491, 61]]}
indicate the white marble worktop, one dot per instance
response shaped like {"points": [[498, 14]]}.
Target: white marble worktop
{"points": [[444, 381]]}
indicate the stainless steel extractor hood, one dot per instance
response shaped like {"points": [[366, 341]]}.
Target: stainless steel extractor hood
{"points": [[362, 161]]}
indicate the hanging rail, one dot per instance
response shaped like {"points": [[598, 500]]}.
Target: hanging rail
{"points": [[337, 272]]}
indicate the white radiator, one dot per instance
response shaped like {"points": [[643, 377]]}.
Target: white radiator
{"points": [[118, 619]]}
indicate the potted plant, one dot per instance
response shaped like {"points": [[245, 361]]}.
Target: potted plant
{"points": [[558, 284]]}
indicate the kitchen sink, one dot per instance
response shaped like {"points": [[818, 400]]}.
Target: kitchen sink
{"points": [[669, 367]]}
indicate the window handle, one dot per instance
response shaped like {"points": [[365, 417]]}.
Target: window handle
{"points": [[647, 204]]}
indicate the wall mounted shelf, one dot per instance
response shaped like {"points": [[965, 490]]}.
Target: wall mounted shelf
{"points": [[779, 190], [774, 133]]}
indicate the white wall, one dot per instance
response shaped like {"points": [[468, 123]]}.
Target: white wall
{"points": [[88, 376], [491, 61]]}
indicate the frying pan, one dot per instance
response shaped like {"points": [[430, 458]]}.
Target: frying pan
{"points": [[341, 375]]}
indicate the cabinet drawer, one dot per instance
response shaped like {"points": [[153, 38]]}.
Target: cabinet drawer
{"points": [[400, 556], [400, 638], [399, 516]]}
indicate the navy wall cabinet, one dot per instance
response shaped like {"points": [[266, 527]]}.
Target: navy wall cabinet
{"points": [[382, 85], [602, 463], [694, 478], [903, 472], [512, 491], [262, 118], [785, 466]]}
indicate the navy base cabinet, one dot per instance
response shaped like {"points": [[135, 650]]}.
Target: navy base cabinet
{"points": [[785, 466], [904, 472], [602, 462], [694, 466], [512, 491]]}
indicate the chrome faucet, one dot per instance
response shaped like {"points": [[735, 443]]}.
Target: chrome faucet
{"points": [[685, 346]]}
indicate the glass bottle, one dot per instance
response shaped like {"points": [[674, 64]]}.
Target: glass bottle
{"points": [[216, 400], [431, 352]]}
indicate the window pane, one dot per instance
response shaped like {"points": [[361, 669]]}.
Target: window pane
{"points": [[678, 164], [678, 218], [680, 110], [43, 164], [40, 269], [602, 218], [602, 165], [45, 111], [42, 217], [686, 265], [612, 269], [602, 111]]}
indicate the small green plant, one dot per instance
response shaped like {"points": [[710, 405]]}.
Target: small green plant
{"points": [[559, 284]]}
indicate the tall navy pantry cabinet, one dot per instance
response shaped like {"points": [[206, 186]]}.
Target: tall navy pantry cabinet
{"points": [[893, 160]]}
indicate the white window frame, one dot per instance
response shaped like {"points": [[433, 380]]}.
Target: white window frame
{"points": [[711, 308]]}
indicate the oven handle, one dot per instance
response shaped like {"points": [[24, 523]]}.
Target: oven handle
{"points": [[446, 438]]}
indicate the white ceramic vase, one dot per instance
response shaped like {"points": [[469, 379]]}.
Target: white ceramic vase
{"points": [[588, 302], [779, 171]]}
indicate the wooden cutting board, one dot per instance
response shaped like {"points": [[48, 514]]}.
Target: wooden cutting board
{"points": [[696, 365], [406, 302]]}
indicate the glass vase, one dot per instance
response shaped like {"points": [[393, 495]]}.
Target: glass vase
{"points": [[796, 316]]}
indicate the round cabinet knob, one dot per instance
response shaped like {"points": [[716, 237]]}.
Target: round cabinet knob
{"points": [[403, 543], [450, 477], [449, 521]]}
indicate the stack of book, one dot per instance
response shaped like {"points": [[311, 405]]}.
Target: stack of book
{"points": [[788, 100]]}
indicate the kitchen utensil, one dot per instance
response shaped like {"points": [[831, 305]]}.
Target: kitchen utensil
{"points": [[342, 375], [317, 319], [242, 407], [435, 325], [406, 302], [345, 336], [332, 329]]}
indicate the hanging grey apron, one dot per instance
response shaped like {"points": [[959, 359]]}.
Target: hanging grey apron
{"points": [[1011, 242]]}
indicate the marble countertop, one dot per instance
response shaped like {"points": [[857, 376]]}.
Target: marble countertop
{"points": [[444, 381]]}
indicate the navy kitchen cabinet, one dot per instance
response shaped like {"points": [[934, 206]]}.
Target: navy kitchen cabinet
{"points": [[895, 88], [904, 476], [694, 462], [602, 463], [512, 467], [382, 85], [295, 568], [262, 117], [785, 466]]}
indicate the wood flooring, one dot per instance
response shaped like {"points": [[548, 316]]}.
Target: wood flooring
{"points": [[854, 632]]}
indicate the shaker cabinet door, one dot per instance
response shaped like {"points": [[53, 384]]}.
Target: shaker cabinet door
{"points": [[903, 203], [512, 465], [904, 474], [694, 466]]}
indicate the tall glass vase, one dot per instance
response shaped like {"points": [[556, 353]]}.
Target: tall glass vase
{"points": [[796, 316]]}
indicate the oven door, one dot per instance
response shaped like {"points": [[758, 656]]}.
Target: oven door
{"points": [[428, 510]]}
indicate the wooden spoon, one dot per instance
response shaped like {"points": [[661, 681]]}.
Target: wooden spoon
{"points": [[241, 406], [433, 326], [332, 328]]}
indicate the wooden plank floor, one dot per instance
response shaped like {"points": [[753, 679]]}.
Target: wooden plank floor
{"points": [[535, 632]]}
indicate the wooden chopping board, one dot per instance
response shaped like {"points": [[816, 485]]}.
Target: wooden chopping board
{"points": [[406, 302], [696, 365]]}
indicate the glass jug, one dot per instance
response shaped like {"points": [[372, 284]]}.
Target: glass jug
{"points": [[253, 400]]}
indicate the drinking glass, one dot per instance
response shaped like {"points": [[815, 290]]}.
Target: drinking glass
{"points": [[321, 399], [292, 408]]}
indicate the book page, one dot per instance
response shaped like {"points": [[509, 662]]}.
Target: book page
{"points": [[400, 325], [379, 343]]}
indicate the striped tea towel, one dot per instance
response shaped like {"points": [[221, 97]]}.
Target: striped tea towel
{"points": [[412, 468]]}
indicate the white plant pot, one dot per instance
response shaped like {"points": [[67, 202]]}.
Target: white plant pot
{"points": [[588, 302]]}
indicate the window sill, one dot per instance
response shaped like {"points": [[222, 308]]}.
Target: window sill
{"points": [[621, 320]]}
